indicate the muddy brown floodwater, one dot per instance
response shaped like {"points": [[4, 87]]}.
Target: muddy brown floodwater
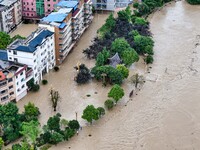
{"points": [[164, 115]]}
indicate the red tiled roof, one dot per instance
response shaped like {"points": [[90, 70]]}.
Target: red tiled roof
{"points": [[2, 76], [76, 12]]}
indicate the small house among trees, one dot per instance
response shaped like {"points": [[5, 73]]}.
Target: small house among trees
{"points": [[115, 60]]}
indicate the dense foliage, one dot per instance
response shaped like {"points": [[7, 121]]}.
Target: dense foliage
{"points": [[83, 75], [11, 120], [116, 93], [90, 113], [193, 2], [5, 39]]}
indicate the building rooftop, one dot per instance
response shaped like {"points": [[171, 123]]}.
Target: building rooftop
{"points": [[3, 55], [67, 4], [34, 40], [55, 17], [7, 2]]}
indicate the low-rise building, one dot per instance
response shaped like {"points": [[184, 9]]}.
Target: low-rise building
{"points": [[13, 79], [10, 14], [37, 52]]}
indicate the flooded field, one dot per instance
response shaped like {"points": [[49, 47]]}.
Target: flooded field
{"points": [[165, 114], [24, 30]]}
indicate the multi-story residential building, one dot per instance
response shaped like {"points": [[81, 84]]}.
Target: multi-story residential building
{"points": [[36, 9], [68, 22], [10, 14], [13, 79], [60, 23], [37, 52], [109, 5]]}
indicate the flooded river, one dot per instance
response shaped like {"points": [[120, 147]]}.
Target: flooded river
{"points": [[165, 115]]}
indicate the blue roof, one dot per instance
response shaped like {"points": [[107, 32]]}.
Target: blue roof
{"points": [[55, 17], [35, 42], [3, 55], [68, 4], [62, 25]]}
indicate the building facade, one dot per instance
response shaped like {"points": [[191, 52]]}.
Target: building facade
{"points": [[37, 52], [109, 5], [36, 9], [13, 79], [10, 14], [68, 22]]}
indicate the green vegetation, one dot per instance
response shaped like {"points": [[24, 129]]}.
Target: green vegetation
{"points": [[124, 71], [54, 97], [31, 112], [44, 82], [130, 56], [83, 75], [194, 2], [107, 27], [116, 93], [109, 104], [90, 113], [5, 39]]}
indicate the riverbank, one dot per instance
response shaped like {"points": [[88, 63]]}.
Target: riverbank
{"points": [[165, 114]]}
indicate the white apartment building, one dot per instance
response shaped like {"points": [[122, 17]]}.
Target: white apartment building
{"points": [[13, 79], [10, 14], [37, 52], [88, 17]]}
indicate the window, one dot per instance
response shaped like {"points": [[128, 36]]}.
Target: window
{"points": [[15, 60], [27, 3], [31, 14], [27, 8], [15, 52], [35, 60], [10, 57], [11, 93], [49, 10], [10, 87], [54, 0], [27, 14], [4, 98], [32, 9], [23, 86], [49, 5], [9, 50], [31, 3], [22, 79], [10, 80], [17, 83], [21, 73]]}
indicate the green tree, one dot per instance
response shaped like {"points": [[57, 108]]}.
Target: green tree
{"points": [[100, 60], [30, 131], [109, 104], [141, 42], [125, 14], [56, 138], [130, 56], [31, 112], [74, 124], [68, 133], [193, 2], [10, 122], [119, 46], [53, 123], [1, 143], [90, 113], [83, 75], [4, 40], [116, 93], [124, 71], [113, 76], [108, 26], [149, 59], [101, 111], [102, 57], [140, 21]]}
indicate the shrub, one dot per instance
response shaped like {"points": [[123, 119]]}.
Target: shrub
{"points": [[35, 87], [109, 104], [44, 82], [149, 59], [101, 111], [74, 124], [56, 68]]}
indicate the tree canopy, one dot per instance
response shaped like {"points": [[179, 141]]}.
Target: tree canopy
{"points": [[116, 93], [90, 113]]}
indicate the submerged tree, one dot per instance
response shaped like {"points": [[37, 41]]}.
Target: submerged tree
{"points": [[116, 93], [54, 97], [137, 79], [90, 113], [83, 75]]}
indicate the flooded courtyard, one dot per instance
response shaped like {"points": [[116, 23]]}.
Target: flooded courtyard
{"points": [[164, 115]]}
